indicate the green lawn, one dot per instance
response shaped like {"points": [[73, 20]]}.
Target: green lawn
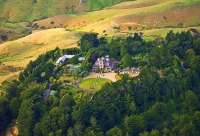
{"points": [[94, 83]]}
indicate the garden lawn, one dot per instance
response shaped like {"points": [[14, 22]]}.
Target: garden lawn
{"points": [[93, 83]]}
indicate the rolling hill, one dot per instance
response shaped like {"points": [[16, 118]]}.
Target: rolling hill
{"points": [[152, 17], [139, 15], [22, 10]]}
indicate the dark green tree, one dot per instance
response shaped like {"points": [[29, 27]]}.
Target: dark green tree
{"points": [[191, 102], [88, 41], [5, 114], [127, 60], [134, 124], [26, 116], [114, 132]]}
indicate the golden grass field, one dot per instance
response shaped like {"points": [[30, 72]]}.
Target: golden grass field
{"points": [[145, 14]]}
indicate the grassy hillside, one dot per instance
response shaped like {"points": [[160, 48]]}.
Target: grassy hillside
{"points": [[24, 49], [15, 55], [139, 15], [29, 10]]}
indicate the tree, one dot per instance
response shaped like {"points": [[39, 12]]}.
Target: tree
{"points": [[114, 51], [89, 132], [114, 132], [37, 130], [45, 125], [78, 129], [196, 120], [4, 38], [88, 40], [196, 64], [127, 60], [26, 116], [189, 57], [191, 102], [123, 50], [5, 115], [197, 46], [11, 88], [80, 72], [74, 60], [14, 106], [159, 57], [67, 101], [156, 114], [93, 57], [70, 132], [55, 115], [170, 36], [134, 124]]}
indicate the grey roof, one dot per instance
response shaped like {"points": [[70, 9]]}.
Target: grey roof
{"points": [[63, 58]]}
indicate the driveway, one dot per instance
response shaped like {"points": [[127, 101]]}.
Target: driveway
{"points": [[46, 92], [110, 76]]}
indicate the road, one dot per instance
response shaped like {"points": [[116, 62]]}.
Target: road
{"points": [[46, 92]]}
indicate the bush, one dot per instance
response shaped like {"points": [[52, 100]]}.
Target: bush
{"points": [[129, 27], [55, 86], [4, 37], [35, 25], [42, 27], [67, 81]]}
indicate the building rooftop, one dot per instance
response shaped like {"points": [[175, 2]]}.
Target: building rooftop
{"points": [[81, 58], [63, 58]]}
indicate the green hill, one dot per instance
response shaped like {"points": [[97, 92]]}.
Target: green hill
{"points": [[29, 10]]}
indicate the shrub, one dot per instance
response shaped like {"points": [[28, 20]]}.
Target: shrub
{"points": [[67, 81], [4, 37], [42, 27]]}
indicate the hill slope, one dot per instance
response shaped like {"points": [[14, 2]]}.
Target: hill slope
{"points": [[138, 15], [22, 10], [15, 55]]}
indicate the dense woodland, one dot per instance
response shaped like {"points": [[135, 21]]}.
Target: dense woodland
{"points": [[163, 100]]}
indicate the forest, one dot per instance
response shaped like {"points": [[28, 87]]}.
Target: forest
{"points": [[163, 100]]}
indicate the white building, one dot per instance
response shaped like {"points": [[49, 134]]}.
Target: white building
{"points": [[63, 59], [81, 58]]}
